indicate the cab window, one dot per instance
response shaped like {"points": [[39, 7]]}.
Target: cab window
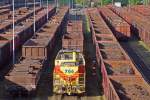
{"points": [[64, 56]]}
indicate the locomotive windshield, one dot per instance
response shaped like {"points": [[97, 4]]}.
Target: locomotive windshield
{"points": [[68, 64], [64, 56]]}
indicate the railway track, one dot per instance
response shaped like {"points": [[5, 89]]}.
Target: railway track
{"points": [[93, 83]]}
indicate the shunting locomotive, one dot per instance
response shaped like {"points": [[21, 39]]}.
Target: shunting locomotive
{"points": [[69, 72]]}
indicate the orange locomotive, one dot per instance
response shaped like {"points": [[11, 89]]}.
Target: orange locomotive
{"points": [[69, 72]]}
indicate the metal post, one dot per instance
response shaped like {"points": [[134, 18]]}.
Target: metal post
{"points": [[25, 1], [34, 16], [129, 3], [47, 10], [147, 2], [13, 3], [69, 4], [75, 11], [112, 2], [40, 3], [144, 2], [57, 3], [83, 3], [72, 3], [101, 2]]}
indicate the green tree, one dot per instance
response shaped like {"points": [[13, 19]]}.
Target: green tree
{"points": [[134, 2], [146, 2], [80, 1], [63, 2], [105, 2]]}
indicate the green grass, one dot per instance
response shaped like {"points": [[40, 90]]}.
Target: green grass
{"points": [[140, 44], [142, 50], [87, 25], [144, 45]]}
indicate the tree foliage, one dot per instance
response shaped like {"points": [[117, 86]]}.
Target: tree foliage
{"points": [[134, 2], [105, 2], [79, 1], [124, 2], [64, 2]]}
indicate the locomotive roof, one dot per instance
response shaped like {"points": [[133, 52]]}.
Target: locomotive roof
{"points": [[69, 50]]}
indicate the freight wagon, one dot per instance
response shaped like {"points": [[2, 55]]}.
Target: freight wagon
{"points": [[121, 79], [73, 39], [25, 74], [23, 31], [20, 15], [139, 24], [119, 27]]}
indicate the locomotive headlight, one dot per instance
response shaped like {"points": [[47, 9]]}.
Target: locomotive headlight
{"points": [[56, 82], [57, 62]]}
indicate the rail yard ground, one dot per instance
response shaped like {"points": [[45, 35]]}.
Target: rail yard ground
{"points": [[115, 45]]}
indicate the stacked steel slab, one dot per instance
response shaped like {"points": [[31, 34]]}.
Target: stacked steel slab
{"points": [[23, 31], [139, 24], [121, 80], [73, 39], [35, 52], [120, 28]]}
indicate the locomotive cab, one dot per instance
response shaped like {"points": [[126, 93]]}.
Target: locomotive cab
{"points": [[69, 72]]}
